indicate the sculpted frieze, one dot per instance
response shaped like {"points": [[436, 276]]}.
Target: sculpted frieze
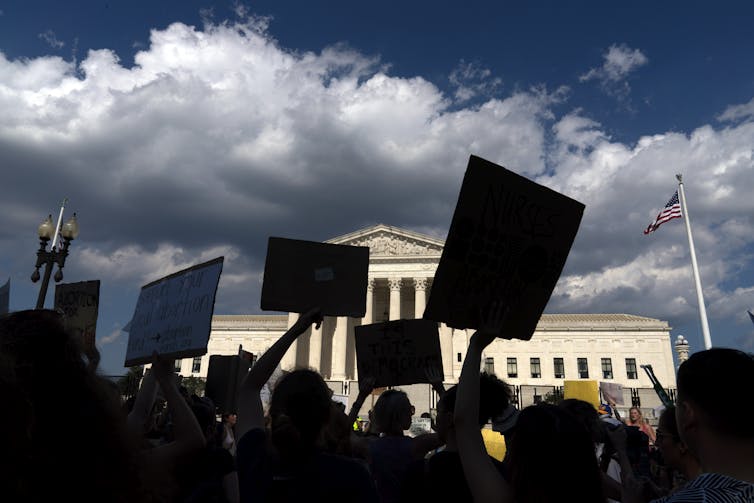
{"points": [[383, 244]]}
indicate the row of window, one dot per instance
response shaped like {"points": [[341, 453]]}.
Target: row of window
{"points": [[196, 365], [535, 367], [582, 368]]}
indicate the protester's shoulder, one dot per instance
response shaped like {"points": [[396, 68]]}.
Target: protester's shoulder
{"points": [[353, 476], [252, 445], [326, 461], [712, 487]]}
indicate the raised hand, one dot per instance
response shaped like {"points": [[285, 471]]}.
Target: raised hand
{"points": [[491, 325], [311, 317], [366, 385], [435, 377], [163, 368]]}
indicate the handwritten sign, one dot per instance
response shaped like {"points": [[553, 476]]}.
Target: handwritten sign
{"points": [[508, 243], [612, 392], [173, 314], [299, 275], [79, 303], [398, 352]]}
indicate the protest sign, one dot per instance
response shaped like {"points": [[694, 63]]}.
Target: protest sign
{"points": [[5, 297], [300, 275], [586, 390], [508, 243], [79, 303], [173, 314], [612, 392], [224, 377], [398, 352], [340, 399], [420, 426]]}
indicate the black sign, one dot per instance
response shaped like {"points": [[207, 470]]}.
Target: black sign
{"points": [[508, 243], [398, 352], [79, 303], [300, 275]]}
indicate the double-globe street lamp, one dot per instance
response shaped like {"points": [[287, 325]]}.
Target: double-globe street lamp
{"points": [[55, 255]]}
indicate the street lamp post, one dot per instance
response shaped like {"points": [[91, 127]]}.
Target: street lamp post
{"points": [[681, 349], [55, 255]]}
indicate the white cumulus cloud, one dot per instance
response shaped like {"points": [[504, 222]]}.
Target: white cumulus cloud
{"points": [[219, 137], [619, 62]]}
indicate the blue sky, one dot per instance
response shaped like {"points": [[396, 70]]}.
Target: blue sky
{"points": [[190, 129]]}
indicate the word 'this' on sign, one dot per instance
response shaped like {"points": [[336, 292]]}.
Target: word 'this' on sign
{"points": [[173, 315], [299, 275], [79, 303], [398, 352], [508, 243]]}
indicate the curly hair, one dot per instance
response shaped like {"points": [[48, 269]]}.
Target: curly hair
{"points": [[66, 428], [494, 397]]}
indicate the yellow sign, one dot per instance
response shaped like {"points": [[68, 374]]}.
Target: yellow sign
{"points": [[586, 390], [495, 443]]}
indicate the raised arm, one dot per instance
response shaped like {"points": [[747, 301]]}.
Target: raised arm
{"points": [[366, 385], [485, 482], [187, 432], [145, 397], [250, 412], [434, 376]]}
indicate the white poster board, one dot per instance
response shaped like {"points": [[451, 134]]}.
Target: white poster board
{"points": [[612, 392], [420, 426], [341, 399], [173, 315]]}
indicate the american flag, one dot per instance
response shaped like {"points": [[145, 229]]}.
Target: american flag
{"points": [[669, 212]]}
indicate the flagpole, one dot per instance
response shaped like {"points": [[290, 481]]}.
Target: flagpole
{"points": [[695, 267]]}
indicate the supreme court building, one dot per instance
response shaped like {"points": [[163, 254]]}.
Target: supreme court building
{"points": [[402, 263]]}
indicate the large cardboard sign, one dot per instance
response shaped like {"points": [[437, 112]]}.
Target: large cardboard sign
{"points": [[398, 352], [224, 377], [586, 390], [508, 243], [300, 275], [173, 314], [79, 303]]}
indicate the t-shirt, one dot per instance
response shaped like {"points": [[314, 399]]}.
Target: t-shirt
{"points": [[440, 477], [200, 478], [319, 477], [389, 459], [712, 487]]}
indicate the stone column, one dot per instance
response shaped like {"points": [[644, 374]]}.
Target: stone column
{"points": [[420, 289], [369, 316], [395, 298], [289, 360], [446, 349], [315, 348], [339, 349]]}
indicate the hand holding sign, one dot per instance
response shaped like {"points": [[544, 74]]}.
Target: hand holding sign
{"points": [[162, 368], [309, 318], [366, 385], [490, 325], [434, 378]]}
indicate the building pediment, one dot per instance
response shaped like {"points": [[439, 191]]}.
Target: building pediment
{"points": [[384, 240]]}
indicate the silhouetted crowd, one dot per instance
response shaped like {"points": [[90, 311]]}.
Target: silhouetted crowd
{"points": [[67, 435]]}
